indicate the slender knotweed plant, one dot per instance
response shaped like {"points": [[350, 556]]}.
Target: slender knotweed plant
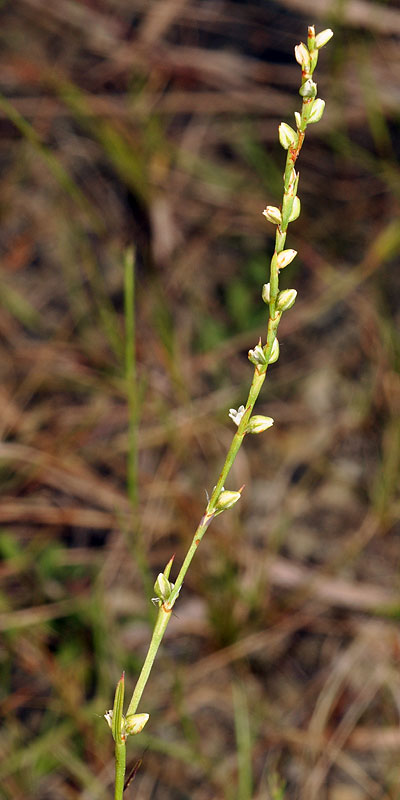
{"points": [[131, 723]]}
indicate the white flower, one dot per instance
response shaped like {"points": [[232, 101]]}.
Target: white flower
{"points": [[108, 718], [236, 416]]}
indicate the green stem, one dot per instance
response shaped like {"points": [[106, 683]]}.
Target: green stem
{"points": [[255, 388], [130, 374], [163, 618], [135, 537], [120, 765]]}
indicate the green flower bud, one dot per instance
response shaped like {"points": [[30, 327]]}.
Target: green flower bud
{"points": [[308, 89], [323, 38], [258, 424], [226, 500], [273, 215], [317, 110], [286, 299], [302, 56], [295, 210], [257, 356], [287, 136], [266, 293], [135, 723], [285, 257], [274, 352], [163, 587], [297, 117]]}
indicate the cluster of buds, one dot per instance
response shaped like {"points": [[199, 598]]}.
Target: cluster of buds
{"points": [[291, 140], [313, 107], [307, 56]]}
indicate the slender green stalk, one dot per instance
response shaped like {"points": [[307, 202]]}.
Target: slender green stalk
{"points": [[243, 743], [162, 621], [130, 373], [210, 512], [135, 536], [261, 356], [120, 766]]}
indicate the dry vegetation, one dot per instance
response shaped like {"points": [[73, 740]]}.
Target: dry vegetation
{"points": [[155, 124]]}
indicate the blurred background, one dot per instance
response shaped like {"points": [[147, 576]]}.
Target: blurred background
{"points": [[153, 124]]}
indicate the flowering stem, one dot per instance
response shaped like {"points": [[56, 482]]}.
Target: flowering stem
{"points": [[262, 355], [210, 512]]}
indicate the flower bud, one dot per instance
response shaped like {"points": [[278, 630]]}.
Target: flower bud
{"points": [[273, 215], [308, 89], [266, 293], [274, 355], [287, 136], [302, 56], [226, 500], [134, 723], [295, 209], [286, 299], [323, 38], [317, 110], [258, 424], [285, 257], [257, 356], [163, 587]]}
